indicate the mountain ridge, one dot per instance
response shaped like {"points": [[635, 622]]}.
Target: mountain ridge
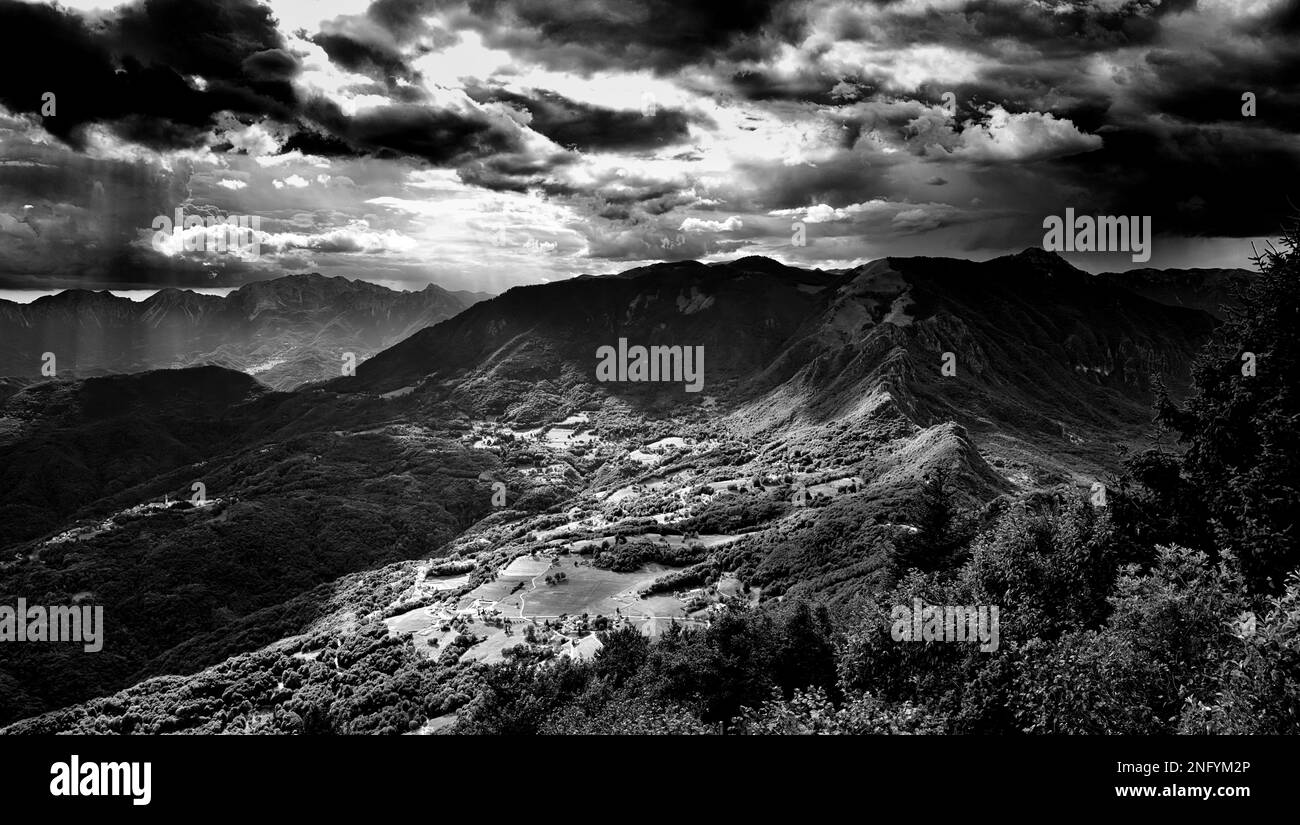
{"points": [[825, 415], [288, 331]]}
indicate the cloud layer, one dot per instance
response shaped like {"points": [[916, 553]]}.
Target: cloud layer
{"points": [[483, 143]]}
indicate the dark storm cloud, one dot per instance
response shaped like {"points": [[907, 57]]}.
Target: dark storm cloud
{"points": [[271, 65], [1058, 27], [355, 55], [400, 15], [586, 127], [382, 41], [1177, 145], [439, 136], [1068, 26], [1194, 180], [211, 38], [518, 173], [133, 268], [132, 71], [1285, 18], [1168, 110], [778, 106], [1201, 85], [310, 140], [661, 35], [1047, 34], [1207, 86], [844, 181], [403, 20], [129, 71], [69, 220], [811, 87]]}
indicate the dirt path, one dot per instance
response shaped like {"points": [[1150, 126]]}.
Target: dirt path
{"points": [[523, 597]]}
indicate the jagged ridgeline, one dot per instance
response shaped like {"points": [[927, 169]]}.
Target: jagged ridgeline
{"points": [[1040, 349], [288, 331], [478, 479]]}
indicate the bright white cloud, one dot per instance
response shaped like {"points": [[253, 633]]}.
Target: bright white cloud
{"points": [[1025, 136], [731, 224], [294, 181], [822, 213]]}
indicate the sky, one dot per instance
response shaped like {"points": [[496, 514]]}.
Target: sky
{"points": [[484, 144]]}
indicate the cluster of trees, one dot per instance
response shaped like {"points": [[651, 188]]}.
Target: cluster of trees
{"points": [[1090, 642], [633, 555], [700, 677], [693, 576], [733, 514], [366, 682], [833, 553], [451, 567], [1234, 489]]}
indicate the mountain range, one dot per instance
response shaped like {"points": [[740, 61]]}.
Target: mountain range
{"points": [[287, 331], [364, 513], [1042, 351]]}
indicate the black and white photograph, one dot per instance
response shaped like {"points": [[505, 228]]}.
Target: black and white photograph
{"points": [[604, 370]]}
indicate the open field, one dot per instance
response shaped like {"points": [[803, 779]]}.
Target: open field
{"points": [[438, 583], [588, 589], [526, 567]]}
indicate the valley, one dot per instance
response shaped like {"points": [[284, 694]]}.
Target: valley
{"points": [[369, 506]]}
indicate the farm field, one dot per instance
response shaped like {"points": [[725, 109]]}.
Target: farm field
{"points": [[588, 589]]}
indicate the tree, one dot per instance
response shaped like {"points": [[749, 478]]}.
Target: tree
{"points": [[1240, 473], [623, 653], [940, 529]]}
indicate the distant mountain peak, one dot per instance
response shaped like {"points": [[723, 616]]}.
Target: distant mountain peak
{"points": [[1043, 258], [759, 263], [298, 280], [82, 297], [286, 331]]}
